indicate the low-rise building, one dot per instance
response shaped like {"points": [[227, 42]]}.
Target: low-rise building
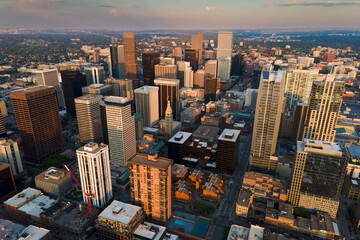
{"points": [[13, 231], [182, 190], [243, 203], [54, 181], [150, 231], [179, 171]]}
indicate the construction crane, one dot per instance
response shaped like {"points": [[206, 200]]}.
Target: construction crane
{"points": [[88, 195]]}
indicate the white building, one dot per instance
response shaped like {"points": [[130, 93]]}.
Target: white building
{"points": [[9, 153], [94, 74], [224, 44], [250, 97], [147, 104], [224, 64], [188, 77], [95, 175]]}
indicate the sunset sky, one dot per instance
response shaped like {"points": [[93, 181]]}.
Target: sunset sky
{"points": [[180, 14]]}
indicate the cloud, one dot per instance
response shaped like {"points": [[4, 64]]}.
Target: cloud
{"points": [[105, 6], [40, 1], [313, 3], [209, 9], [115, 12]]}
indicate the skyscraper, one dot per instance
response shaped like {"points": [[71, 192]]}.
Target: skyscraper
{"points": [[199, 78], [317, 176], [149, 60], [120, 122], [224, 44], [121, 87], [323, 110], [72, 82], [192, 56], [7, 182], [38, 121], [228, 149], [224, 68], [117, 61], [168, 91], [168, 121], [188, 77], [150, 185], [95, 175], [181, 68], [210, 88], [197, 43], [94, 75], [131, 64], [163, 70], [89, 118], [9, 153], [269, 107], [211, 68], [147, 103]]}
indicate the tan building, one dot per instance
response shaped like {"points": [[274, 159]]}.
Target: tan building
{"points": [[199, 78], [9, 153], [97, 89], [163, 70], [151, 174], [211, 68], [197, 43], [3, 109], [54, 181], [147, 104], [269, 107], [89, 118], [243, 203], [130, 56], [121, 87], [177, 52]]}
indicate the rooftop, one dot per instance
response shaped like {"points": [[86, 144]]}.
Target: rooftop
{"points": [[146, 89], [150, 231], [54, 175], [158, 162], [206, 132], [33, 233], [120, 212], [229, 135], [180, 137], [238, 232], [117, 100], [256, 232], [91, 147], [88, 97], [23, 197], [319, 147], [275, 76]]}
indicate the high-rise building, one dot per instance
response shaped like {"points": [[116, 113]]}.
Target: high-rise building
{"points": [[236, 64], [72, 82], [150, 185], [208, 54], [323, 109], [168, 121], [147, 104], [181, 68], [199, 78], [250, 97], [211, 68], [98, 89], [298, 87], [38, 121], [269, 106], [224, 64], [169, 90], [318, 176], [121, 87], [167, 60], [228, 149], [163, 70], [149, 60], [298, 122], [94, 75], [210, 88], [3, 109], [95, 175], [120, 129], [89, 118], [177, 53], [139, 126], [224, 45], [2, 126], [95, 57], [131, 64], [192, 56], [7, 182], [9, 153], [117, 59], [188, 77], [197, 43]]}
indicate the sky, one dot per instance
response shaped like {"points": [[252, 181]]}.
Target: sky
{"points": [[179, 14]]}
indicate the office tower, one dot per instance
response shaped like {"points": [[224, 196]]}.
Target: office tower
{"points": [[131, 64], [269, 107], [95, 57], [139, 126], [94, 75], [38, 121], [89, 118], [329, 57], [3, 109], [117, 61], [177, 53], [228, 149], [168, 91], [2, 127], [188, 77], [54, 181], [95, 175], [120, 128], [209, 54], [192, 56], [119, 221], [153, 174], [181, 68], [197, 43], [163, 70], [224, 68], [147, 104], [7, 182], [72, 82], [98, 89], [323, 110], [250, 97], [210, 89], [224, 45], [236, 64], [211, 68], [199, 78], [178, 145], [167, 60], [50, 77], [318, 176], [9, 153], [299, 122], [298, 87], [121, 87], [168, 121], [149, 60]]}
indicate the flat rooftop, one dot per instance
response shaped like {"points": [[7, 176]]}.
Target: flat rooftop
{"points": [[146, 89], [320, 147], [238, 232], [91, 147], [229, 135], [206, 132], [275, 76], [33, 233], [23, 197], [32, 89], [150, 231], [54, 175], [88, 98], [159, 162], [120, 212], [117, 100], [180, 137]]}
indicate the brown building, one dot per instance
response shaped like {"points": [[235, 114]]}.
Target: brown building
{"points": [[299, 121], [210, 88], [131, 64], [164, 70], [227, 150], [150, 184], [2, 126], [169, 90], [38, 121], [149, 60], [192, 56], [6, 182], [197, 43], [54, 181], [199, 78], [329, 57], [177, 53], [121, 87]]}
